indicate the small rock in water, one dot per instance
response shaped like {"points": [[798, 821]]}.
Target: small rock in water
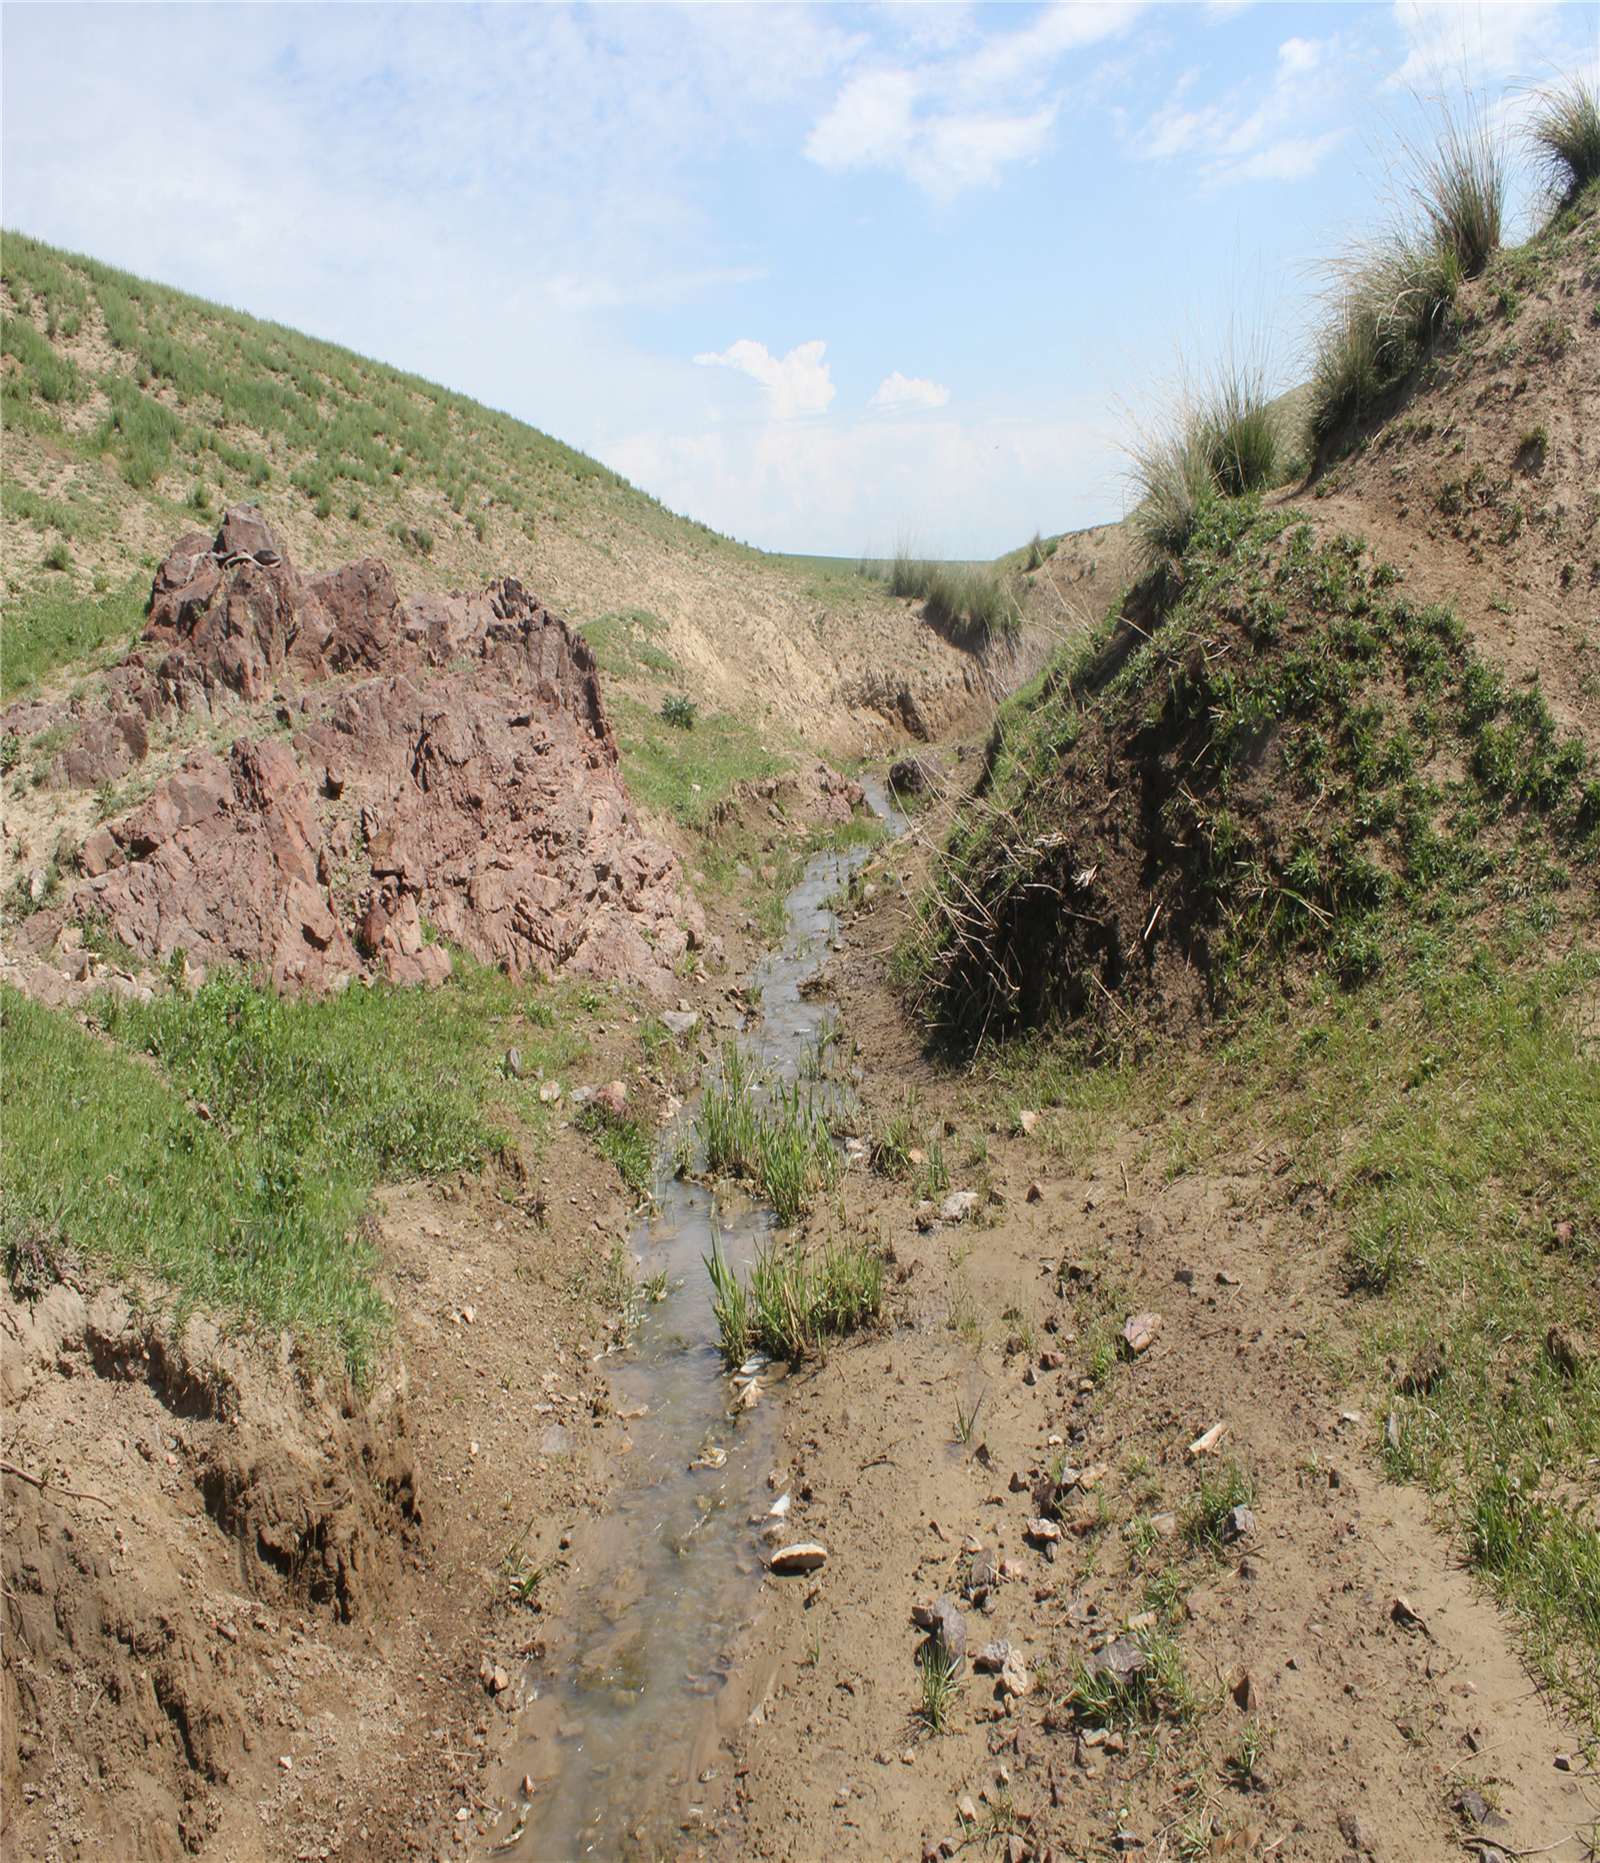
{"points": [[958, 1206], [803, 1556]]}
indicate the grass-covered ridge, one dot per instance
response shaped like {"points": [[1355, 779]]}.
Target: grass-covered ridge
{"points": [[168, 409], [227, 1142], [1296, 761]]}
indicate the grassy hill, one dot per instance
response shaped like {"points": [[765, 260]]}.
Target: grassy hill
{"points": [[1309, 818], [134, 412]]}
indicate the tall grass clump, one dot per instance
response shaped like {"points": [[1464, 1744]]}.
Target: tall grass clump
{"points": [[781, 1144], [793, 1301], [1394, 298], [1460, 187], [1238, 430], [1391, 302], [1171, 473], [1563, 135]]}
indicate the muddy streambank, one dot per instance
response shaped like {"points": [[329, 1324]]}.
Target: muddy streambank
{"points": [[639, 1680]]}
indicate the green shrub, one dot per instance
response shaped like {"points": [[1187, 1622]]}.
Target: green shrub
{"points": [[58, 556], [1564, 137], [678, 710]]}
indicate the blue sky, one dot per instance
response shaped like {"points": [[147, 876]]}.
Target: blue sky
{"points": [[829, 278]]}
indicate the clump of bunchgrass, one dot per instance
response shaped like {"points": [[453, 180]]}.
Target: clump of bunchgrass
{"points": [[936, 1688], [1171, 472], [794, 1301], [1238, 430], [1460, 187], [1216, 1496], [1392, 300], [1563, 135]]}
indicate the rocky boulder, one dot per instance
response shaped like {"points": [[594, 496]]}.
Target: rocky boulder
{"points": [[443, 761]]}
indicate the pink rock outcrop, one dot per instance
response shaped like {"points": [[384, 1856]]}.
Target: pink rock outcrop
{"points": [[441, 762]]}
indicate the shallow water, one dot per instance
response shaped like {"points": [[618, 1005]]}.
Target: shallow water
{"points": [[622, 1712]]}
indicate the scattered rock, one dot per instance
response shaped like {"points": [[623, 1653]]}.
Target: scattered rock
{"points": [[1355, 1833], [1246, 1692], [958, 1206], [513, 1063], [1237, 1524], [1042, 1531], [946, 1628], [993, 1657], [1035, 1191], [1474, 1809], [1027, 1123], [803, 1556], [549, 1092], [1204, 1443], [680, 1022], [612, 1098], [966, 1811], [1122, 1660], [1402, 1613], [1014, 1677], [1140, 1332]]}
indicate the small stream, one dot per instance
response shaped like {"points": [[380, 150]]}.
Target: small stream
{"points": [[623, 1710]]}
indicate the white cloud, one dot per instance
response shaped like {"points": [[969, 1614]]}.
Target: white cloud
{"points": [[965, 108], [1449, 42], [957, 487], [798, 383], [1251, 135], [908, 391]]}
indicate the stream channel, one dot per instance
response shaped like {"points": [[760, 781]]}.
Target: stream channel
{"points": [[627, 1707]]}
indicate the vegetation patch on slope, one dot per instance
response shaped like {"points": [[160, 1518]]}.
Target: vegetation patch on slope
{"points": [[1297, 760], [228, 1140]]}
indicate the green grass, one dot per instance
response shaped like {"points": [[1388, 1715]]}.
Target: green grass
{"points": [[969, 603], [1215, 1496], [1563, 135], [50, 628], [1459, 185], [1455, 1113], [795, 1300], [626, 1144], [936, 1688], [1161, 1690], [254, 1206], [686, 773], [1349, 769], [773, 1135]]}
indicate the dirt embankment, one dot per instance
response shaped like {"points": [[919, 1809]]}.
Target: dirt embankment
{"points": [[1334, 1684]]}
